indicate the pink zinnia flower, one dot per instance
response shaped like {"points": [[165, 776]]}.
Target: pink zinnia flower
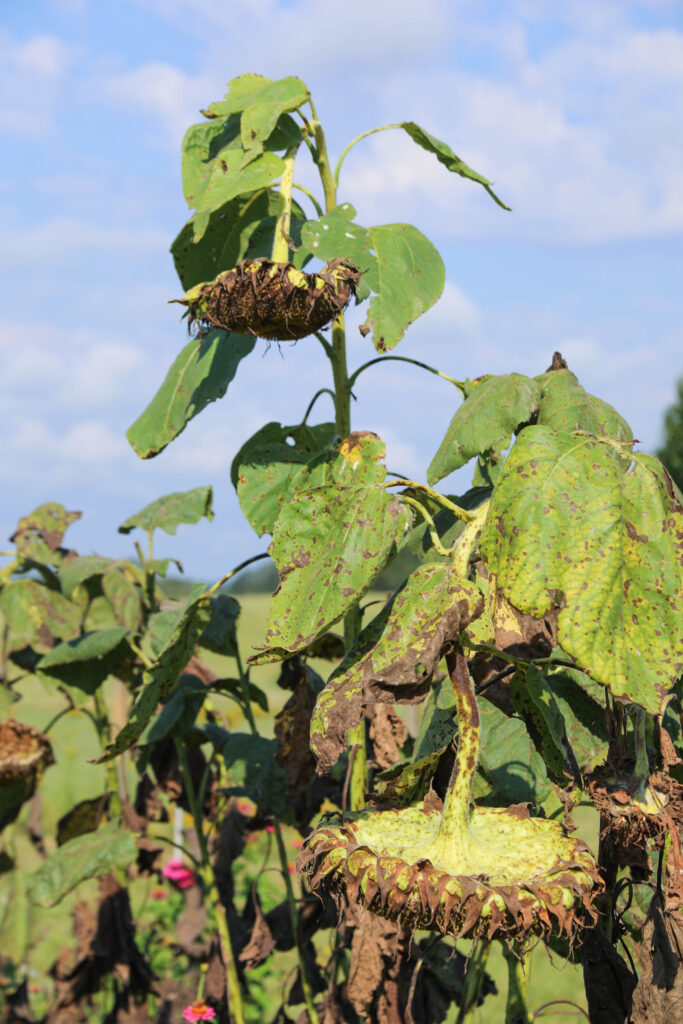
{"points": [[246, 807], [181, 875], [198, 1011], [158, 893], [270, 829]]}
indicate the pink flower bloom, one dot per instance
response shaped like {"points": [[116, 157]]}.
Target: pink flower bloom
{"points": [[182, 876], [246, 807], [198, 1011], [158, 893], [291, 869], [297, 844], [270, 829]]}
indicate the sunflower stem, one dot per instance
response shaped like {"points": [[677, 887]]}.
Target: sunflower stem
{"points": [[281, 240], [456, 809], [342, 407]]}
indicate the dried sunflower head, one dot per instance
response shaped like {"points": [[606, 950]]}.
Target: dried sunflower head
{"points": [[24, 752], [273, 300], [636, 816], [507, 876]]}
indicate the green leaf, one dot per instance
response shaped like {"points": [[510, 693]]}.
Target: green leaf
{"points": [[160, 565], [329, 545], [199, 375], [89, 647], [400, 266], [486, 420], [179, 712], [266, 105], [100, 615], [252, 770], [584, 716], [302, 438], [86, 662], [169, 511], [124, 598], [36, 616], [220, 634], [38, 535], [242, 228], [406, 783], [508, 761], [235, 689], [239, 94], [271, 475], [84, 817], [158, 680], [88, 856], [447, 157], [396, 654], [84, 567], [233, 173], [535, 701], [602, 525], [566, 406]]}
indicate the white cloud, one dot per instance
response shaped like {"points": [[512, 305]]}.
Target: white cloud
{"points": [[31, 83], [58, 238], [161, 91]]}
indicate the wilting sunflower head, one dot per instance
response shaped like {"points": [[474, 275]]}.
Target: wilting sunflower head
{"points": [[513, 876], [24, 752], [637, 814], [273, 300]]}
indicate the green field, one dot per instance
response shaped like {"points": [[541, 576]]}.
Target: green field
{"points": [[75, 742]]}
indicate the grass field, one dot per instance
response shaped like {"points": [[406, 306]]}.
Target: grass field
{"points": [[75, 742]]}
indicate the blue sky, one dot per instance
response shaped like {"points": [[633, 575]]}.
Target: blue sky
{"points": [[573, 110]]}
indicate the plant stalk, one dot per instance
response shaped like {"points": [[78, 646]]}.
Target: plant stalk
{"points": [[358, 783], [210, 882], [456, 809], [281, 239], [294, 917]]}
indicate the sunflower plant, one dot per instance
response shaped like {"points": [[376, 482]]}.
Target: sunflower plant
{"points": [[535, 637]]}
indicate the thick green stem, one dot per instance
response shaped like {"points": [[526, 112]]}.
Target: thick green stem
{"points": [[454, 825], [111, 772], [342, 406], [516, 1011], [281, 240]]}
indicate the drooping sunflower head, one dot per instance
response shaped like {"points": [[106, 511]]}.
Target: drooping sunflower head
{"points": [[273, 300], [517, 876]]}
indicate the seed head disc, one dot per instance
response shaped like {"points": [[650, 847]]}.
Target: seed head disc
{"points": [[536, 880], [273, 300]]}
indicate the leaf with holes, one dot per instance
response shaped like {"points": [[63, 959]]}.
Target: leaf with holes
{"points": [[400, 266], [329, 545]]}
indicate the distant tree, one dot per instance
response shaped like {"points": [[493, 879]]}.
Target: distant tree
{"points": [[671, 453]]}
